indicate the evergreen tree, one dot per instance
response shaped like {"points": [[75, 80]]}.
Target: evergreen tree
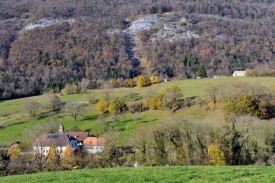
{"points": [[202, 72], [160, 148], [236, 147]]}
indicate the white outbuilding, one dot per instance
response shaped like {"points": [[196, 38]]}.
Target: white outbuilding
{"points": [[239, 73]]}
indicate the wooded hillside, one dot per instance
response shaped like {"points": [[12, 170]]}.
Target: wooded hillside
{"points": [[90, 39]]}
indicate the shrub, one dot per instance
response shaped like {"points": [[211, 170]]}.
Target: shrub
{"points": [[156, 102], [69, 89], [171, 96], [212, 105], [129, 83], [135, 107], [154, 79], [242, 105], [114, 83], [14, 152], [102, 105], [142, 81]]}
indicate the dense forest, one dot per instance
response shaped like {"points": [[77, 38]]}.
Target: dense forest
{"points": [[91, 40]]}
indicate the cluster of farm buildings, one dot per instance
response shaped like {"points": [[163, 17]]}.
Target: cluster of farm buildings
{"points": [[78, 141]]}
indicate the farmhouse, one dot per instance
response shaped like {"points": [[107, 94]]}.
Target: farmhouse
{"points": [[76, 140], [94, 144], [239, 73]]}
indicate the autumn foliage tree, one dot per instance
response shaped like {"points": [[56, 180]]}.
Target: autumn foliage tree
{"points": [[52, 157], [117, 105], [154, 79], [215, 154], [114, 83], [242, 105], [156, 102], [142, 81], [67, 157], [14, 152], [102, 105], [129, 83]]}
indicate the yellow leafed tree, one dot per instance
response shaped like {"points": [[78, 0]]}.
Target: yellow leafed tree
{"points": [[75, 89], [212, 105], [142, 81], [67, 157], [215, 154], [154, 79], [52, 156], [102, 105], [14, 152]]}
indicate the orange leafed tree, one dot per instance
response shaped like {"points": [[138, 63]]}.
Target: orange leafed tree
{"points": [[68, 157], [52, 156], [14, 152]]}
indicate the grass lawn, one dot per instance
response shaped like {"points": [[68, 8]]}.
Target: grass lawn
{"points": [[154, 174], [14, 122]]}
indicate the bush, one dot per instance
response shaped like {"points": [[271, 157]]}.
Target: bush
{"points": [[114, 83], [117, 105], [14, 152], [212, 105], [154, 79], [69, 89], [135, 107], [102, 105], [242, 105], [171, 96], [142, 81], [156, 102], [129, 83]]}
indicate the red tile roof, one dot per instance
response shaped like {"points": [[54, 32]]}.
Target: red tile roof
{"points": [[94, 141]]}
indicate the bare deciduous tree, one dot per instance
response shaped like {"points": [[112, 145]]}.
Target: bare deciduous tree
{"points": [[31, 107], [74, 109]]}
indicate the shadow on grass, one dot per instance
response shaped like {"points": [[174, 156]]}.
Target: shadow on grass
{"points": [[12, 124], [120, 125], [88, 130], [133, 97], [92, 117], [47, 114]]}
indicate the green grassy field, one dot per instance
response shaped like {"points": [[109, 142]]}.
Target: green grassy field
{"points": [[14, 123], [154, 174]]}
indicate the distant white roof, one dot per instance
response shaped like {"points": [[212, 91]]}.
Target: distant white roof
{"points": [[239, 73]]}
